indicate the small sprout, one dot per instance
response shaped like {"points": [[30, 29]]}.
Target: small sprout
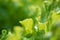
{"points": [[28, 26]]}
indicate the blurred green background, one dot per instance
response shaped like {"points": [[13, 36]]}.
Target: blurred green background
{"points": [[45, 12]]}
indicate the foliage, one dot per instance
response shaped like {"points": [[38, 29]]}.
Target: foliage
{"points": [[29, 19]]}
